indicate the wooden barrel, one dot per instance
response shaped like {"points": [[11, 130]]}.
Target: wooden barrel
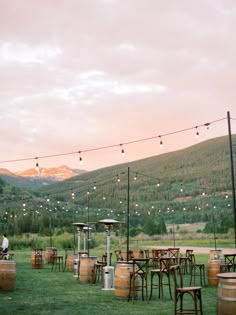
{"points": [[213, 268], [50, 254], [122, 279], [70, 261], [226, 294], [86, 269], [7, 275], [36, 260]]}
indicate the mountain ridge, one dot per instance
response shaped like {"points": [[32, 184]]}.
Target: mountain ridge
{"points": [[32, 178]]}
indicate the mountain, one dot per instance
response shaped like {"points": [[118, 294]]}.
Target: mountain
{"points": [[33, 179], [206, 164], [185, 186]]}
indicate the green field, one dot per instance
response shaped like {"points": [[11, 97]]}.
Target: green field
{"points": [[42, 291]]}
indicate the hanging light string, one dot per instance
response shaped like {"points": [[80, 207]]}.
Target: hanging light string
{"points": [[115, 145]]}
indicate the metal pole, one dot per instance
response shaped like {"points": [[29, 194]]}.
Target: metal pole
{"points": [[127, 249], [108, 246], [50, 230], [78, 239], [84, 240], [213, 221], [88, 222], [173, 228], [232, 175]]}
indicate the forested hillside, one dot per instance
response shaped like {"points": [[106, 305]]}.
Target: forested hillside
{"points": [[189, 185]]}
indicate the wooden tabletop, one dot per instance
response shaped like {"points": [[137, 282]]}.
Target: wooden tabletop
{"points": [[227, 275]]}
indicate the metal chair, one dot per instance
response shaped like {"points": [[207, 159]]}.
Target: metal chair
{"points": [[193, 293]]}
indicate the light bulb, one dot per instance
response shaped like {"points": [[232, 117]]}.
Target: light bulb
{"points": [[161, 143], [122, 151], [197, 133]]}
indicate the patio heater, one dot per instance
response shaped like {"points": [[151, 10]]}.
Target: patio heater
{"points": [[108, 271], [86, 230], [80, 227]]}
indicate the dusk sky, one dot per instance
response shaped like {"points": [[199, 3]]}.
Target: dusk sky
{"points": [[82, 74]]}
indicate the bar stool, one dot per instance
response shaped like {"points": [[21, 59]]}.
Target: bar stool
{"points": [[149, 256], [180, 290], [197, 270], [187, 254], [156, 255], [57, 263], [37, 258], [139, 271], [230, 262], [118, 256], [98, 267], [164, 270]]}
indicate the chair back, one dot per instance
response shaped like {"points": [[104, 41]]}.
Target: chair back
{"points": [[188, 252], [165, 264], [104, 258], [192, 259], [138, 253], [230, 259], [174, 252], [140, 266], [124, 255], [157, 253], [148, 254]]}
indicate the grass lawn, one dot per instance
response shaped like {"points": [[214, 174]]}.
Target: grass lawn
{"points": [[43, 292]]}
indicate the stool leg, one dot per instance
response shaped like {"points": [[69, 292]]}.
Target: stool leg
{"points": [[151, 286]]}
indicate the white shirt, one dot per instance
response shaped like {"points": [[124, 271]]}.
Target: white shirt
{"points": [[5, 243]]}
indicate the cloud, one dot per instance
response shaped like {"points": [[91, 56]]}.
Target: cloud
{"points": [[85, 73], [16, 52]]}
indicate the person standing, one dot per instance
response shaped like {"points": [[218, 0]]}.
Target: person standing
{"points": [[5, 244]]}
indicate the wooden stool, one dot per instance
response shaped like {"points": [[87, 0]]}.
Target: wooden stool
{"points": [[57, 263], [180, 291], [183, 261], [163, 271], [197, 270], [37, 258], [138, 278]]}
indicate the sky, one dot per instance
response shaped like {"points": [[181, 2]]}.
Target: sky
{"points": [[81, 75]]}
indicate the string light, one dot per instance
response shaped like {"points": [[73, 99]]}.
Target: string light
{"points": [[122, 150], [115, 145], [118, 178], [197, 132], [161, 142], [207, 125], [80, 158], [37, 165]]}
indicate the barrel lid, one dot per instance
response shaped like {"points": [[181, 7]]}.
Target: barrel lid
{"points": [[227, 275]]}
